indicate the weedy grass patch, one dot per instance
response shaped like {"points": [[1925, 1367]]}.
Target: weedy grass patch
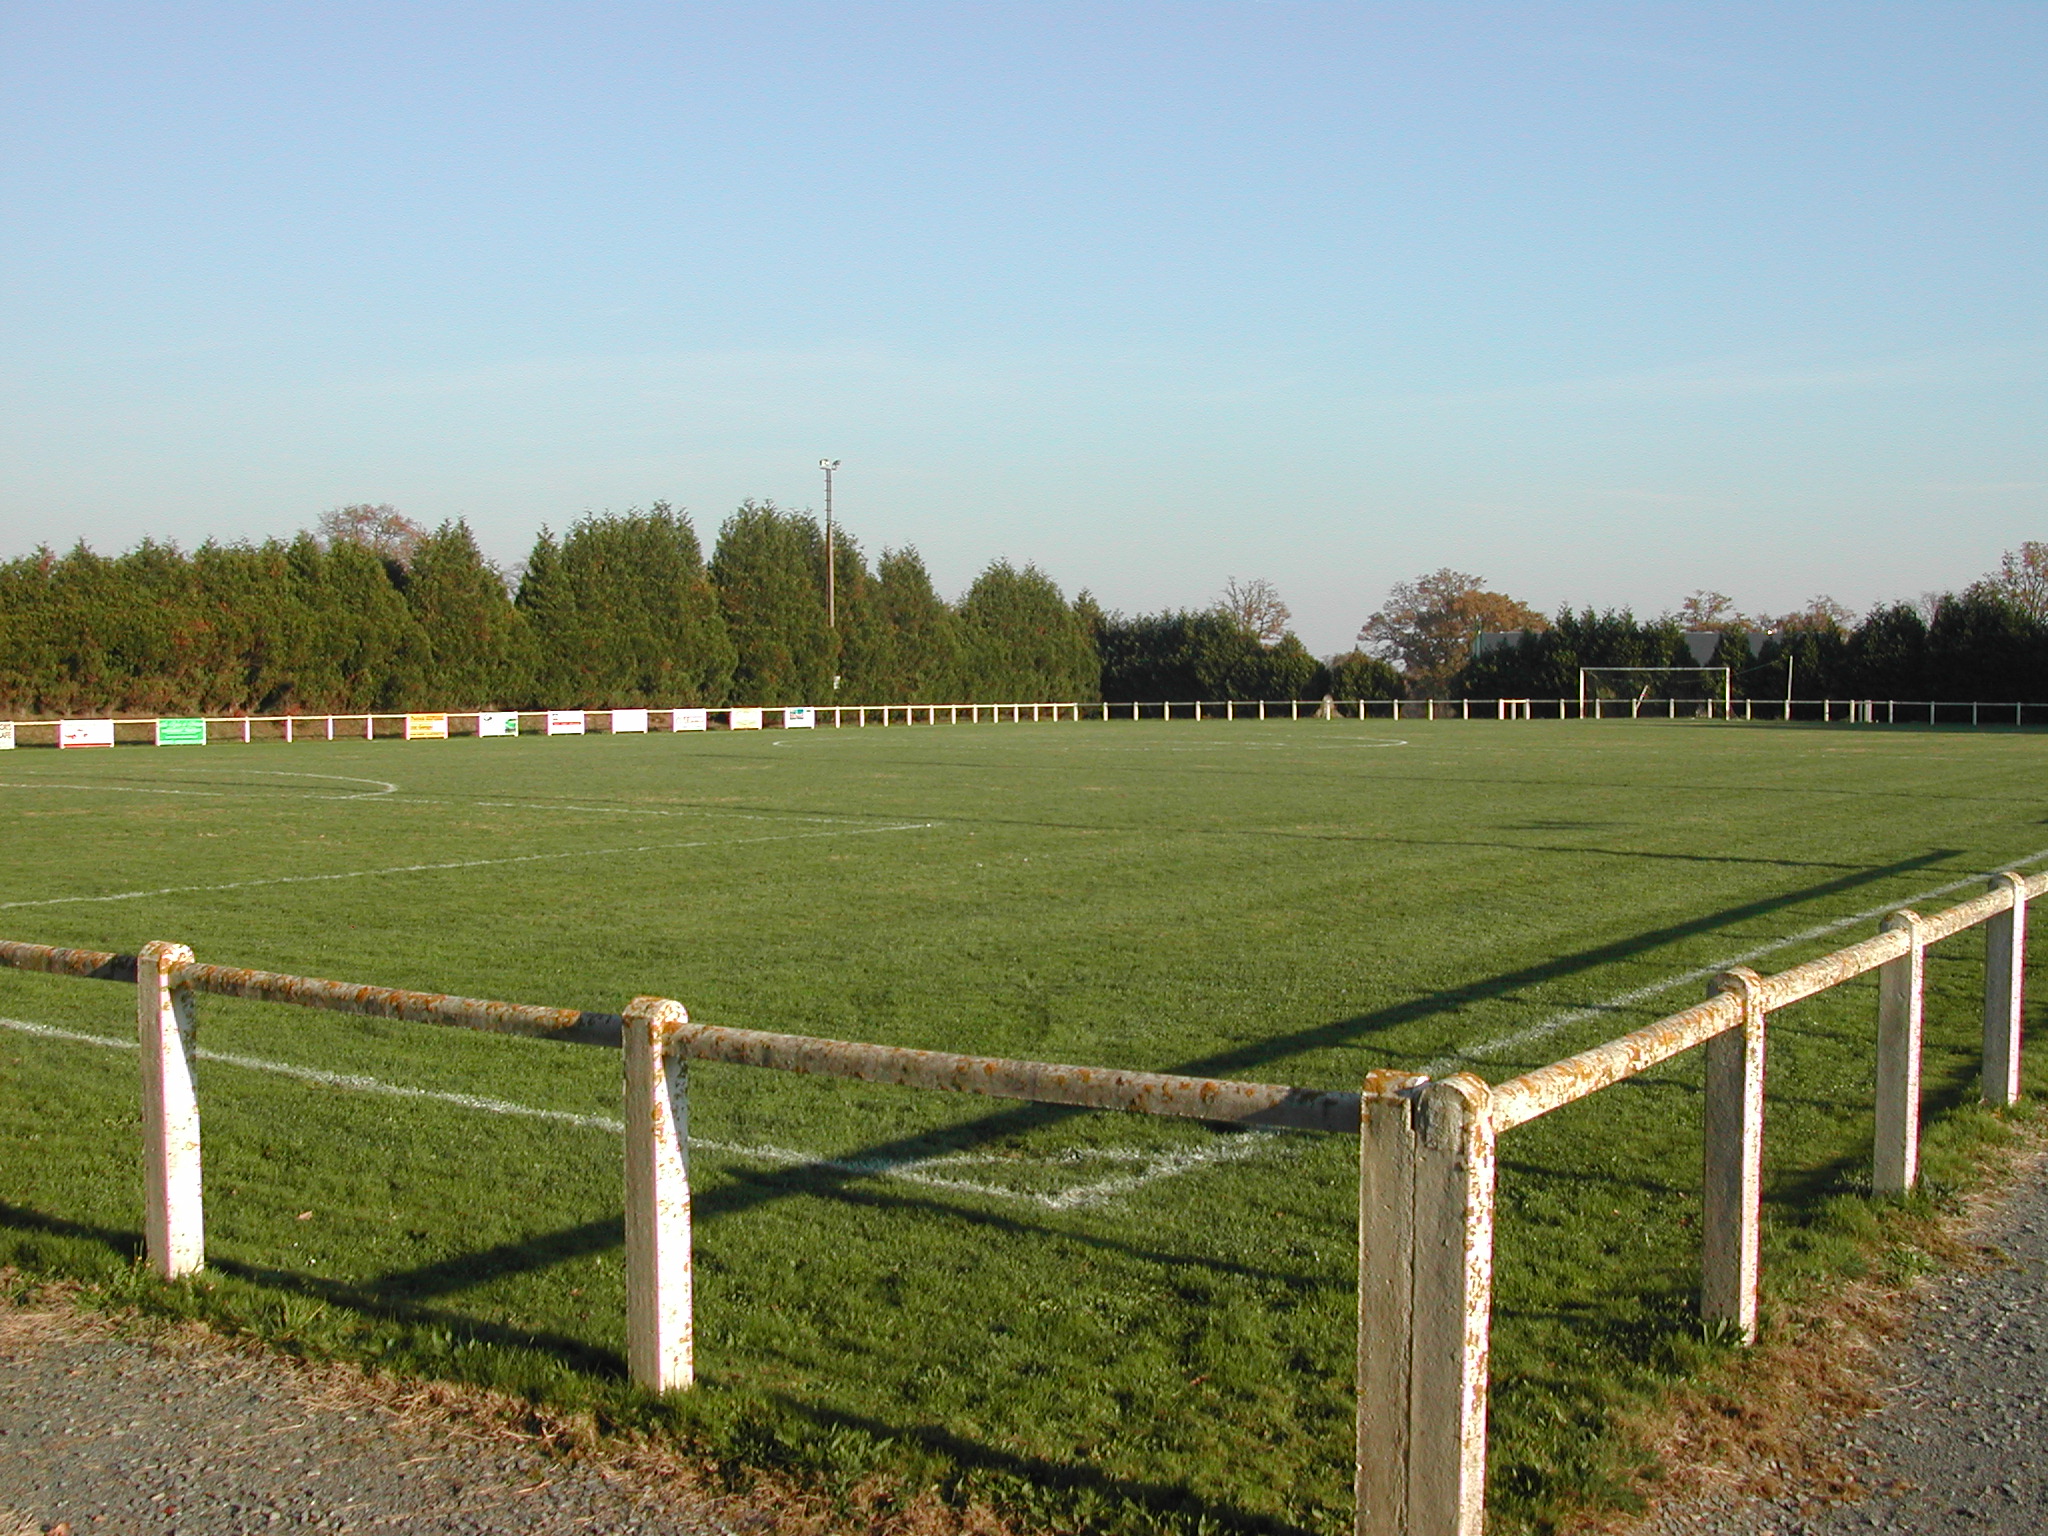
{"points": [[1093, 1321]]}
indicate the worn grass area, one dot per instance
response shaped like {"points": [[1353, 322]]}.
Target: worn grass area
{"points": [[1087, 1320]]}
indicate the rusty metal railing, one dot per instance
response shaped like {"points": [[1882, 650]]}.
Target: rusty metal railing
{"points": [[1428, 1170], [658, 1041], [1427, 1152]]}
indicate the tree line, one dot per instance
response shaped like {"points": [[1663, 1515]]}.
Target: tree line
{"points": [[1452, 637], [371, 612]]}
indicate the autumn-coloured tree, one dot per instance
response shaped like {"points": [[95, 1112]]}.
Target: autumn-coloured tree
{"points": [[1427, 625], [1707, 609], [380, 528], [2022, 579], [1255, 607], [1821, 615]]}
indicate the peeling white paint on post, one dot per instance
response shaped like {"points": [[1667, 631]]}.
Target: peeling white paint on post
{"points": [[2005, 969], [1895, 1161], [175, 1219], [1733, 1184], [1425, 1297], [659, 1349]]}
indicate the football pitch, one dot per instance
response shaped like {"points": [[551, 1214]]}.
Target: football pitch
{"points": [[1143, 1316]]}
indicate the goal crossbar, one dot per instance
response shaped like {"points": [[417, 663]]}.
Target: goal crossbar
{"points": [[1726, 674]]}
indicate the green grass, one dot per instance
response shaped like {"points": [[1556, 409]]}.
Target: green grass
{"points": [[1280, 902]]}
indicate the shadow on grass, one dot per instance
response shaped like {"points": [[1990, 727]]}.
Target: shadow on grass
{"points": [[975, 1467], [371, 1301], [1027, 1473], [1353, 1032]]}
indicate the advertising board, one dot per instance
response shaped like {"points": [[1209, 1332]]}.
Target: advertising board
{"points": [[629, 722], [565, 722], [497, 725], [800, 718], [181, 733], [6, 735], [426, 727], [85, 733], [743, 719], [689, 719]]}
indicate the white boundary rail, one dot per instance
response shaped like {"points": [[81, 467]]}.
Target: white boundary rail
{"points": [[1427, 1164], [442, 724]]}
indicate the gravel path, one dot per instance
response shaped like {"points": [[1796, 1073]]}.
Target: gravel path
{"points": [[174, 1433], [178, 1435], [1960, 1444]]}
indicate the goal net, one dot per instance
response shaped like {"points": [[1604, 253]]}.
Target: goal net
{"points": [[1615, 692]]}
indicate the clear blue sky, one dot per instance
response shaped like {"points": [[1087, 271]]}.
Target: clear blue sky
{"points": [[1602, 302]]}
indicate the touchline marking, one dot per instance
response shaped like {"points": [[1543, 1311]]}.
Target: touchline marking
{"points": [[911, 1170], [637, 810], [383, 788], [1551, 1026], [415, 869], [397, 796]]}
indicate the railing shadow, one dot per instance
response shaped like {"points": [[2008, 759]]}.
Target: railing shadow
{"points": [[1349, 1032], [1163, 1498], [368, 1301]]}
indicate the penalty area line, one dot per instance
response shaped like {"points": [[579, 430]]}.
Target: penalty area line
{"points": [[922, 1171], [1550, 1026], [417, 869]]}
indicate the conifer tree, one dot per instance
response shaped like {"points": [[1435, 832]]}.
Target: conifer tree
{"points": [[479, 650], [374, 655], [1022, 640], [765, 574], [920, 642], [624, 613]]}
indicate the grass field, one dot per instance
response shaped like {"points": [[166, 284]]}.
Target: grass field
{"points": [[1093, 1318]]}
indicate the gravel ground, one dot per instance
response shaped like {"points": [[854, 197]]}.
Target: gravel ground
{"points": [[175, 1433], [178, 1435], [1961, 1441]]}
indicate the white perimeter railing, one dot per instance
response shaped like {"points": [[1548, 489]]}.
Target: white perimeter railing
{"points": [[1427, 1166], [438, 725]]}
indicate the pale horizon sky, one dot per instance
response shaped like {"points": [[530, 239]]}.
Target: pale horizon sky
{"points": [[1602, 302]]}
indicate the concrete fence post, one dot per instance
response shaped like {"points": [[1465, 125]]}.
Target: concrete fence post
{"points": [[1732, 1189], [1425, 1297], [174, 1221], [659, 1350], [2005, 971], [1895, 1161]]}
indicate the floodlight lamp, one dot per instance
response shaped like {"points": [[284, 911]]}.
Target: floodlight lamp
{"points": [[828, 463]]}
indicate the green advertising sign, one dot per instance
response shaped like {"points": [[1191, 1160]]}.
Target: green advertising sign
{"points": [[181, 733]]}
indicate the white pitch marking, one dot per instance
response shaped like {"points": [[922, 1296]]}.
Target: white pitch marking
{"points": [[382, 789], [1552, 1025], [383, 786], [398, 796], [414, 869], [128, 789], [914, 1170], [640, 810]]}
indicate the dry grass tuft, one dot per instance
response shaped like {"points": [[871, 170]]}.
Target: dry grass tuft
{"points": [[1771, 1422]]}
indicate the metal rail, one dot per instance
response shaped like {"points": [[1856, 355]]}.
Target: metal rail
{"points": [[1427, 1151], [1219, 1100]]}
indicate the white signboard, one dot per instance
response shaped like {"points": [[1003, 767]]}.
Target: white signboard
{"points": [[6, 735], [743, 719], [629, 722], [689, 719], [565, 722], [803, 718], [497, 725], [85, 733]]}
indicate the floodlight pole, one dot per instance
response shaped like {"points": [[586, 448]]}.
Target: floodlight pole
{"points": [[831, 574]]}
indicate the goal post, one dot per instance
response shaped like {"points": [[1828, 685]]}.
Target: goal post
{"points": [[1589, 685]]}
